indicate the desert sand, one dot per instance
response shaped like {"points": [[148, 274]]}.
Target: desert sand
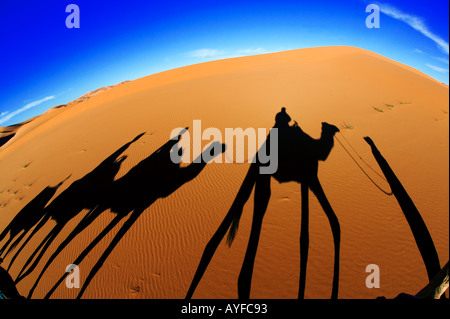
{"points": [[404, 111]]}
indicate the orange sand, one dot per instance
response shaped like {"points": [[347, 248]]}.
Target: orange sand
{"points": [[158, 257]]}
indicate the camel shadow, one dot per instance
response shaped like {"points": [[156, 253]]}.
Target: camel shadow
{"points": [[81, 194], [156, 176], [298, 157]]}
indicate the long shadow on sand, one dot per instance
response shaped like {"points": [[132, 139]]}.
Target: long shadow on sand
{"points": [[26, 219], [154, 177], [415, 221], [298, 161], [84, 193]]}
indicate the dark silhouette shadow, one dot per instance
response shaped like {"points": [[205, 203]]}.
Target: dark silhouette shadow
{"points": [[436, 288], [27, 218], [298, 156], [416, 223], [8, 289], [5, 139], [154, 177], [81, 194]]}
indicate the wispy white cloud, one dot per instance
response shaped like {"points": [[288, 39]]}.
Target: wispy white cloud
{"points": [[443, 60], [416, 23], [223, 54], [252, 51], [437, 58], [216, 54], [5, 116], [206, 53], [436, 68]]}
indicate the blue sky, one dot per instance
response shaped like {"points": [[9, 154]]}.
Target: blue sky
{"points": [[43, 63]]}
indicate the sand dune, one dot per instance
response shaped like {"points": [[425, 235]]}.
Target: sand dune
{"points": [[404, 111]]}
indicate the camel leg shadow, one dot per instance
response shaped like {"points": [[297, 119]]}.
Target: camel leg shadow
{"points": [[236, 209], [40, 250], [123, 230], [335, 228], [304, 240], [86, 251], [262, 196], [35, 230], [85, 222], [123, 209]]}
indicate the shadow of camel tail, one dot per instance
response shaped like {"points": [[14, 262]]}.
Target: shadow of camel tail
{"points": [[416, 223], [231, 219]]}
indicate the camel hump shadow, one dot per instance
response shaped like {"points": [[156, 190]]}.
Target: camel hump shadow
{"points": [[299, 153]]}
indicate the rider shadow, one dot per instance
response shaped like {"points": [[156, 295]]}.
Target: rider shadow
{"points": [[298, 157], [157, 176]]}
